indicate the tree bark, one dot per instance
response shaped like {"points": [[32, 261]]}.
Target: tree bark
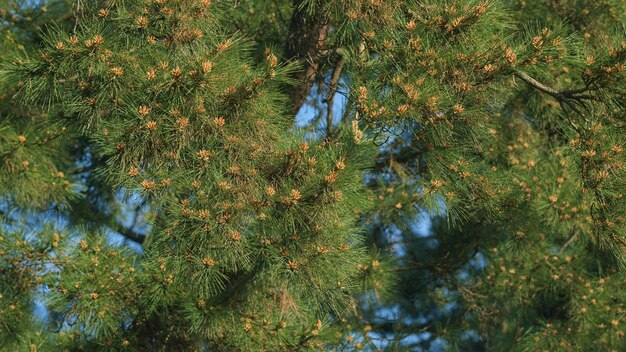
{"points": [[306, 44]]}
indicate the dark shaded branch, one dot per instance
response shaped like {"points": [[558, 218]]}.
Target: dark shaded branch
{"points": [[305, 43], [392, 327], [130, 234], [334, 84]]}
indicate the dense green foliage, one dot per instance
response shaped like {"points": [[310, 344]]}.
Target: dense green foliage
{"points": [[458, 182]]}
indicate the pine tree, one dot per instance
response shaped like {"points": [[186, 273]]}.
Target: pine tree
{"points": [[457, 182]]}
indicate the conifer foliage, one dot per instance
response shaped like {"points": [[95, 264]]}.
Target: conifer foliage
{"points": [[170, 123], [250, 221]]}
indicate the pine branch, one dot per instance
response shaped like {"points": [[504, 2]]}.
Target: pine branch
{"points": [[536, 84], [575, 99]]}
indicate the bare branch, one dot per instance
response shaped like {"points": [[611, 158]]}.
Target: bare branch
{"points": [[572, 96], [130, 234], [574, 99], [334, 84], [536, 84], [570, 241]]}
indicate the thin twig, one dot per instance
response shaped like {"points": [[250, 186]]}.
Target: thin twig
{"points": [[334, 84], [570, 241], [78, 12]]}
